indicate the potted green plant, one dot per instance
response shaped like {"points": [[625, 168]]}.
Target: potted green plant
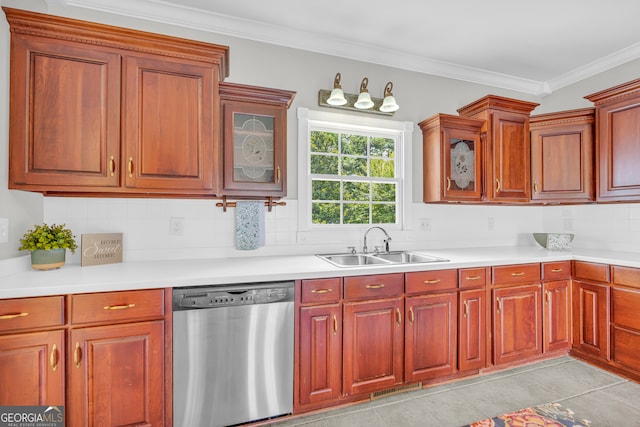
{"points": [[48, 245]]}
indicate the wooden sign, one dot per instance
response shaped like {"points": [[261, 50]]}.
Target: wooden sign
{"points": [[103, 248]]}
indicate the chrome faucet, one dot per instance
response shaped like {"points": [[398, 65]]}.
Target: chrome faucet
{"points": [[386, 241]]}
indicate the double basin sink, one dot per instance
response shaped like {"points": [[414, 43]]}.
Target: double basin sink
{"points": [[379, 258]]}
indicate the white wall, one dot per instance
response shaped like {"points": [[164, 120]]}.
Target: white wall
{"points": [[209, 232]]}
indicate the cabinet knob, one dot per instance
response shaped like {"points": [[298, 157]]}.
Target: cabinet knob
{"points": [[53, 358], [77, 355]]}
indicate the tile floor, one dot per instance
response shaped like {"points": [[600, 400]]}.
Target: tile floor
{"points": [[605, 399]]}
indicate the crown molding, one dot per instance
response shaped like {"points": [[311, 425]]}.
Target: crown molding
{"points": [[164, 12]]}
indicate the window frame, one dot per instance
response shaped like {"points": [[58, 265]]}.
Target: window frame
{"points": [[402, 132]]}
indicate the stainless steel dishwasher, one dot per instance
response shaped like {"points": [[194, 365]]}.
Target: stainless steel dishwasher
{"points": [[232, 353]]}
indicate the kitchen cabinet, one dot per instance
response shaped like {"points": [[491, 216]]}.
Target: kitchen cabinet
{"points": [[32, 351], [556, 290], [101, 109], [254, 140], [617, 142], [452, 159], [472, 319], [517, 313], [507, 147], [117, 360], [430, 325], [591, 315], [319, 343], [625, 324], [562, 156], [373, 335]]}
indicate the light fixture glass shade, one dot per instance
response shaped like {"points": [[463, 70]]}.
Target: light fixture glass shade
{"points": [[337, 97], [389, 104], [364, 101]]}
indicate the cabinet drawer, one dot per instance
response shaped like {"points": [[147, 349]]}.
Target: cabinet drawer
{"points": [[31, 313], [552, 271], [427, 281], [376, 286], [626, 305], [472, 277], [591, 271], [626, 276], [515, 274], [117, 306], [321, 290]]}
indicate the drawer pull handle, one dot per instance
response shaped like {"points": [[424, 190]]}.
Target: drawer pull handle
{"points": [[519, 273], [432, 282], [499, 302], [13, 315], [466, 309], [335, 325], [498, 186], [448, 183], [379, 286], [557, 270], [130, 167], [412, 316], [119, 307], [53, 358], [472, 278], [398, 316], [321, 291], [547, 296], [278, 175], [77, 355], [535, 187], [112, 165]]}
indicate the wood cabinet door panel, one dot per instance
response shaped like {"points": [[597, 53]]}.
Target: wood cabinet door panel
{"points": [[32, 368], [625, 307], [65, 122], [168, 124], [552, 271], [30, 313], [117, 375], [591, 318], [619, 150], [431, 281], [517, 323], [511, 157], [430, 336], [625, 347], [515, 274], [557, 312], [372, 345], [114, 307], [320, 353], [373, 286], [472, 325]]}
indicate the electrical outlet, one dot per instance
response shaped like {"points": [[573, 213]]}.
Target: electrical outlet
{"points": [[425, 224], [4, 230], [491, 223], [176, 226]]}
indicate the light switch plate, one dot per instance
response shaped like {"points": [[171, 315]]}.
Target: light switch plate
{"points": [[4, 230]]}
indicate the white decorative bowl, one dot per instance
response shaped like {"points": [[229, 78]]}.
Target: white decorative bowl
{"points": [[554, 241]]}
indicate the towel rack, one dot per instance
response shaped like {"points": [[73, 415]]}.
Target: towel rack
{"points": [[224, 204]]}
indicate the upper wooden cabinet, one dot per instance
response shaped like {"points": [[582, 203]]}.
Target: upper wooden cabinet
{"points": [[452, 158], [254, 140], [101, 109], [617, 142], [506, 148], [562, 156]]}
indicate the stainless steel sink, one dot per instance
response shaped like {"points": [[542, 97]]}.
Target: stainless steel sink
{"points": [[408, 257], [381, 258], [353, 260]]}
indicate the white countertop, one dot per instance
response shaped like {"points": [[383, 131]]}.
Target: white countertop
{"points": [[73, 279]]}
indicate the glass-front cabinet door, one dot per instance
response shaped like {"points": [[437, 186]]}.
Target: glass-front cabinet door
{"points": [[254, 141], [461, 165]]}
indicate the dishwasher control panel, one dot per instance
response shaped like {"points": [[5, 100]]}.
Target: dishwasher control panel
{"points": [[214, 297]]}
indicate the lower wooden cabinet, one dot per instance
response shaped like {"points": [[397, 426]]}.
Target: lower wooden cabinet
{"points": [[116, 375], [320, 353], [373, 345], [430, 336], [517, 328], [556, 315], [32, 368], [472, 324]]}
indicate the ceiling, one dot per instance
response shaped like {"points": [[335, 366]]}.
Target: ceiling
{"points": [[535, 47]]}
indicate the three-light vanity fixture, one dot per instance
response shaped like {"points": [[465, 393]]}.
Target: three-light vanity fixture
{"points": [[363, 102]]}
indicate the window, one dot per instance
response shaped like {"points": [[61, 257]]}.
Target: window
{"points": [[351, 170]]}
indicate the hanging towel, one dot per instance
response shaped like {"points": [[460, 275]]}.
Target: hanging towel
{"points": [[249, 224]]}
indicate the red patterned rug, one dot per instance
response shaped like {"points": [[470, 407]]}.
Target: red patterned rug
{"points": [[547, 415]]}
